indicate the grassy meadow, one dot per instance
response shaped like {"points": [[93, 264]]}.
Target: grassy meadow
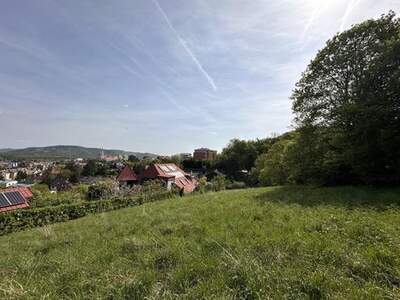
{"points": [[266, 243]]}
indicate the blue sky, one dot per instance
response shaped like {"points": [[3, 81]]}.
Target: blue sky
{"points": [[163, 76]]}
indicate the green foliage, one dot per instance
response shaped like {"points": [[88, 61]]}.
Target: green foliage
{"points": [[238, 155], [272, 168], [347, 107], [99, 168], [139, 166], [22, 219], [133, 158], [74, 172], [202, 184], [103, 190], [241, 155], [191, 163], [152, 190], [43, 188], [236, 185], [43, 197], [175, 159], [21, 176], [219, 183], [267, 243], [90, 169]]}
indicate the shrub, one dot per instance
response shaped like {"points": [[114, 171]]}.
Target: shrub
{"points": [[202, 184], [22, 219], [272, 168], [43, 197], [219, 183], [236, 185], [154, 190], [102, 190]]}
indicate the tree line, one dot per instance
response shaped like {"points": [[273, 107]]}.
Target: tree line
{"points": [[347, 117]]}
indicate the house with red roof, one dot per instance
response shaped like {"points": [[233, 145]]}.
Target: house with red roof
{"points": [[171, 174], [25, 191], [127, 177], [14, 198]]}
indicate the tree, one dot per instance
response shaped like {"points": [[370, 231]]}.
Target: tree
{"points": [[349, 98], [202, 184], [133, 158], [139, 166], [74, 172], [21, 176], [219, 183], [191, 164], [238, 155], [176, 159], [101, 169], [102, 190], [241, 155], [271, 167], [90, 169]]}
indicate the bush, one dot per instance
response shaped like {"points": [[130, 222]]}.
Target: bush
{"points": [[202, 185], [154, 190], [235, 185], [22, 219], [102, 190], [272, 168], [219, 183], [43, 197]]}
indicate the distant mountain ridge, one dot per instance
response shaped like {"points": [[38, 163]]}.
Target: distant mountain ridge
{"points": [[65, 152]]}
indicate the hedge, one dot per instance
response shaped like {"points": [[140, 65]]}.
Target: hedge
{"points": [[28, 218]]}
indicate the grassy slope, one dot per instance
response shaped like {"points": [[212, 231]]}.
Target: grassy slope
{"points": [[277, 242]]}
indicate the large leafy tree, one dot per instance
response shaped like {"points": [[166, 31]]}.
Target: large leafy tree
{"points": [[241, 155], [350, 95]]}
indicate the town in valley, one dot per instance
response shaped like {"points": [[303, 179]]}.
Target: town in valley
{"points": [[24, 180]]}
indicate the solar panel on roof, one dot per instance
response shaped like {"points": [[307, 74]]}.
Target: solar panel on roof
{"points": [[15, 198], [3, 201], [164, 168]]}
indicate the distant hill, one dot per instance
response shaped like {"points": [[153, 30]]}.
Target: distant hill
{"points": [[64, 152], [5, 150]]}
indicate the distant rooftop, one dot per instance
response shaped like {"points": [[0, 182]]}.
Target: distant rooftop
{"points": [[204, 149]]}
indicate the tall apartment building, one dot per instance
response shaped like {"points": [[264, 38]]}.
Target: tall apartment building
{"points": [[204, 154]]}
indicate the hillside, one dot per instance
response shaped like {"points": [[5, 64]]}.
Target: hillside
{"points": [[63, 152], [292, 243]]}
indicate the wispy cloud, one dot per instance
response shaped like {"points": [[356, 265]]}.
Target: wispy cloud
{"points": [[315, 12], [185, 46], [350, 7], [106, 70], [165, 89]]}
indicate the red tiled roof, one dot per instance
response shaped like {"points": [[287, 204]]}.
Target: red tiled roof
{"points": [[24, 191], [127, 174], [170, 171], [14, 207]]}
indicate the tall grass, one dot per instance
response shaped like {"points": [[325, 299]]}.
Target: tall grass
{"points": [[291, 243]]}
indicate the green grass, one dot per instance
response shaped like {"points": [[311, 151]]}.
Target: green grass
{"points": [[285, 243]]}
